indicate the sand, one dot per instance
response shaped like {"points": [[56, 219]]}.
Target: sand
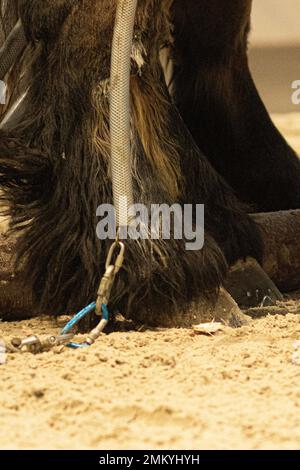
{"points": [[158, 389]]}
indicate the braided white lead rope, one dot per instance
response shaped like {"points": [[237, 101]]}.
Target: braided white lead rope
{"points": [[121, 169], [12, 49]]}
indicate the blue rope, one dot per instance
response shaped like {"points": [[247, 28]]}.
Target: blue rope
{"points": [[105, 313], [77, 345], [78, 317]]}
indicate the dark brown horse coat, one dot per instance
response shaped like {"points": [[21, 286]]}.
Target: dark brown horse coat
{"points": [[212, 142]]}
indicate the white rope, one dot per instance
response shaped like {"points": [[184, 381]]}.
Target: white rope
{"points": [[120, 110], [12, 49]]}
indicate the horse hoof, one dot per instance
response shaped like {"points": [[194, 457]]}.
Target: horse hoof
{"points": [[224, 310], [250, 286]]}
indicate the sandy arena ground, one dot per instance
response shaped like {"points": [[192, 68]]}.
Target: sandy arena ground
{"points": [[158, 389]]}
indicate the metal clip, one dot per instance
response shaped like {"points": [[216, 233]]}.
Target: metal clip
{"points": [[120, 258], [96, 332], [108, 279], [35, 345], [105, 288]]}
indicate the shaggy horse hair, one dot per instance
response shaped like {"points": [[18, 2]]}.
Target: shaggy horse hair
{"points": [[55, 159]]}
